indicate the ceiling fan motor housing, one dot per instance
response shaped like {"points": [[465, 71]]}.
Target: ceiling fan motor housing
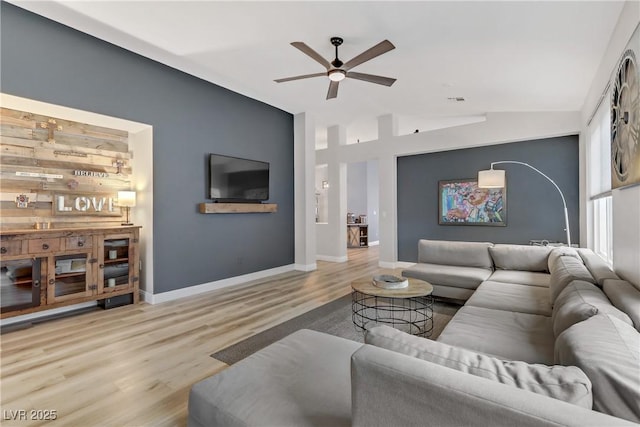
{"points": [[336, 41]]}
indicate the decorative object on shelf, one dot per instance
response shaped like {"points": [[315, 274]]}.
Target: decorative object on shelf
{"points": [[127, 199], [625, 117], [118, 164], [351, 218], [51, 125], [362, 219], [463, 202], [493, 178], [22, 201], [387, 281]]}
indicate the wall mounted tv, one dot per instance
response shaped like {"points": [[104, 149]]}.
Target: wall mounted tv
{"points": [[232, 179]]}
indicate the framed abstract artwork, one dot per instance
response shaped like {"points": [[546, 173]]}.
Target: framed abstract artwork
{"points": [[461, 202]]}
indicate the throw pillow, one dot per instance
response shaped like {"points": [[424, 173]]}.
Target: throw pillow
{"points": [[566, 383], [579, 301], [608, 351]]}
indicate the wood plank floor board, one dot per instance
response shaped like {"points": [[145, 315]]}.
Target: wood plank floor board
{"points": [[134, 365]]}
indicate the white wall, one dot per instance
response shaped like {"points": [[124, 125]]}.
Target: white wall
{"points": [[626, 202]]}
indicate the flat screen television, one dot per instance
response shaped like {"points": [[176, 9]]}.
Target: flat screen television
{"points": [[232, 179]]}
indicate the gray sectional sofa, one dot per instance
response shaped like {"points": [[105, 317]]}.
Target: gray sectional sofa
{"points": [[545, 337]]}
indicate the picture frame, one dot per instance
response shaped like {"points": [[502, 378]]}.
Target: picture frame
{"points": [[462, 202]]}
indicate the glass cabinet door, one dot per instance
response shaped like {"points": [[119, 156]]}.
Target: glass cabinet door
{"points": [[71, 278], [19, 284], [115, 263]]}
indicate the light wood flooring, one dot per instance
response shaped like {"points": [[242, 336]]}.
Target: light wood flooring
{"points": [[134, 365]]}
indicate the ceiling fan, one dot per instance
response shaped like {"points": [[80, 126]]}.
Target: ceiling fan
{"points": [[338, 70]]}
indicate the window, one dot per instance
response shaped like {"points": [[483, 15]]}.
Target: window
{"points": [[599, 181]]}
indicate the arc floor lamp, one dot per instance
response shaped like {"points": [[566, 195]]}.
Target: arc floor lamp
{"points": [[495, 178]]}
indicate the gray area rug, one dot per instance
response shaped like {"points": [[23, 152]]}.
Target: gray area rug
{"points": [[332, 318]]}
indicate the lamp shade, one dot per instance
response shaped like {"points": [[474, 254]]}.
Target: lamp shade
{"points": [[491, 178], [126, 198]]}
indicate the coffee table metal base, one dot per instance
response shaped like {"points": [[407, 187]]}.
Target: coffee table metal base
{"points": [[411, 315]]}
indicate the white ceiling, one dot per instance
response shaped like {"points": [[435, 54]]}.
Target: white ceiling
{"points": [[499, 56]]}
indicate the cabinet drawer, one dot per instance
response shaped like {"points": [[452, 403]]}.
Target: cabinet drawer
{"points": [[38, 246], [11, 247], [80, 242]]}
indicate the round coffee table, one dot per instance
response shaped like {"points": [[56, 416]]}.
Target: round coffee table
{"points": [[409, 309]]}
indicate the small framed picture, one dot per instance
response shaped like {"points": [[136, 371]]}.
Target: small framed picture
{"points": [[22, 201]]}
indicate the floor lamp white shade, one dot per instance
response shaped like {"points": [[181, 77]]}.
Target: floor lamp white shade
{"points": [[493, 178]]}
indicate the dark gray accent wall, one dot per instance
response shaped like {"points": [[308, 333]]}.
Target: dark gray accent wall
{"points": [[534, 206], [49, 62]]}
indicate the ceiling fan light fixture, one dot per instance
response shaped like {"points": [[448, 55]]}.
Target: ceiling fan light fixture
{"points": [[337, 75]]}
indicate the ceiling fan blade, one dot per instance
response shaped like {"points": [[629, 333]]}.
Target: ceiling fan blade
{"points": [[386, 81], [333, 90], [382, 47], [312, 53], [305, 76]]}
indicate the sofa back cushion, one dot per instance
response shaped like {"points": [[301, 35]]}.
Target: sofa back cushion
{"points": [[566, 383], [608, 351], [520, 257], [579, 301], [565, 270], [599, 269], [558, 251], [626, 297], [467, 254]]}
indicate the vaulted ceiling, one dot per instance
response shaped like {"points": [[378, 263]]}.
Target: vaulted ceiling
{"points": [[497, 55]]}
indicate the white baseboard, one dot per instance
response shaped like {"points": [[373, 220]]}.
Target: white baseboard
{"points": [[404, 264], [305, 267], [45, 313], [146, 296], [329, 258], [218, 284], [374, 243]]}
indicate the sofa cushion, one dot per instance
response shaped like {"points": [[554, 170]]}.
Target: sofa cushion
{"points": [[579, 301], [626, 297], [598, 268], [511, 297], [558, 251], [530, 278], [467, 254], [520, 257], [449, 275], [566, 383], [504, 334], [565, 270], [608, 351], [302, 380]]}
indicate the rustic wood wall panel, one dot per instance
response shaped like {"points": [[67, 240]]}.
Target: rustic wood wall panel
{"points": [[78, 159]]}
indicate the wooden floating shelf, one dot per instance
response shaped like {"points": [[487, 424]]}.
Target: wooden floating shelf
{"points": [[207, 208]]}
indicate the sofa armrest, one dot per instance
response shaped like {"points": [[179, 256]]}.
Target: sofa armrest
{"points": [[389, 388]]}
